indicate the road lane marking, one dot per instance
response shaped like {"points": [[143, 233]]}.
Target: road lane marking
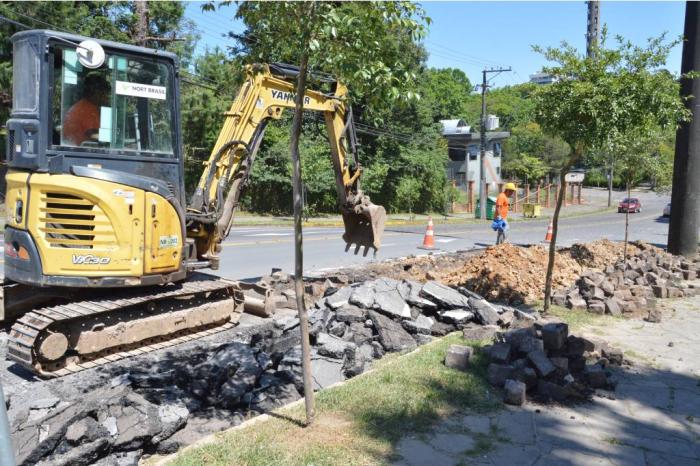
{"points": [[269, 234], [280, 241]]}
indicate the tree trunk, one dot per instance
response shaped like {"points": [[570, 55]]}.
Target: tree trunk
{"points": [[627, 219], [308, 10], [610, 182], [141, 33], [555, 223]]}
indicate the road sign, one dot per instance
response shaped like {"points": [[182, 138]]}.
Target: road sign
{"points": [[574, 177]]}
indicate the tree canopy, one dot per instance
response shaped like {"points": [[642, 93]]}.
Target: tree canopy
{"points": [[611, 100], [397, 99]]}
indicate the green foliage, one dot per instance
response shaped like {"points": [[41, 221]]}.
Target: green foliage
{"points": [[605, 104], [525, 167], [359, 42], [597, 101], [445, 93], [203, 102], [531, 154], [371, 48]]}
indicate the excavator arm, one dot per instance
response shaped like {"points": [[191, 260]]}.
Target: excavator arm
{"points": [[267, 91]]}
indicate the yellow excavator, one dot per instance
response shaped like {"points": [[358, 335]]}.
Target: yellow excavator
{"points": [[101, 250]]}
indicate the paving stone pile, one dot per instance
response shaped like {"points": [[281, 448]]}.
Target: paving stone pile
{"points": [[632, 287], [543, 360], [147, 409]]}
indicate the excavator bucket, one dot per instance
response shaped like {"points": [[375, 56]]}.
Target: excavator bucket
{"points": [[364, 227]]}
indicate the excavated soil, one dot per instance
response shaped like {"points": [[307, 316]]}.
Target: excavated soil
{"points": [[599, 254], [505, 273]]}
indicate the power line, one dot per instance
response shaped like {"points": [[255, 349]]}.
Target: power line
{"points": [[52, 26], [456, 52]]}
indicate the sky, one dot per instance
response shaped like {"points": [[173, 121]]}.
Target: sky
{"points": [[475, 35]]}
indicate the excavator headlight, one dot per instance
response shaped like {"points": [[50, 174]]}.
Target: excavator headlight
{"points": [[15, 251]]}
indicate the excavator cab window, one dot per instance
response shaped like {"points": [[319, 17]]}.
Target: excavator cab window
{"points": [[124, 105]]}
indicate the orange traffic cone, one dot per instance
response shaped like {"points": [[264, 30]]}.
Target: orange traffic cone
{"points": [[429, 238], [548, 236]]}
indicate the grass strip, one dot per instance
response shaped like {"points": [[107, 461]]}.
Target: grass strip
{"points": [[360, 421]]}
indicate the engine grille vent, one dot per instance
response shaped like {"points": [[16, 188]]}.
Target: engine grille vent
{"points": [[69, 221]]}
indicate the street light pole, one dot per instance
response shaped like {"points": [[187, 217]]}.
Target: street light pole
{"points": [[7, 455], [482, 141]]}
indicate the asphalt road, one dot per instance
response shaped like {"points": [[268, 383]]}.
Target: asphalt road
{"points": [[253, 251]]}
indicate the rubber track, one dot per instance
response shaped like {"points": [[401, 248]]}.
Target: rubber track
{"points": [[26, 330]]}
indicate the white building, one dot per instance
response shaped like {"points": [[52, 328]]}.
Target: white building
{"points": [[543, 78], [463, 150]]}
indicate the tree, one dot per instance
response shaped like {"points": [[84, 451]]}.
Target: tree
{"points": [[524, 167], [407, 193], [349, 40], [619, 92], [444, 93], [637, 156]]}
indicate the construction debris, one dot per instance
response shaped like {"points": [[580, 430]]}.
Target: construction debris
{"points": [[149, 408], [183, 395], [458, 357], [549, 364], [630, 287], [504, 273]]}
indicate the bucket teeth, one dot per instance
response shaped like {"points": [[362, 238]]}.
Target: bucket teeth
{"points": [[364, 227]]}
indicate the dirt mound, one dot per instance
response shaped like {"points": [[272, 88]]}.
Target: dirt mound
{"points": [[515, 274], [505, 273], [599, 254]]}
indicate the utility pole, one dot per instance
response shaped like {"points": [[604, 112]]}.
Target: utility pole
{"points": [[592, 41], [482, 140], [7, 453], [593, 30], [685, 196]]}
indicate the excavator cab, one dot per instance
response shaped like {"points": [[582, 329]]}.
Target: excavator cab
{"points": [[95, 183]]}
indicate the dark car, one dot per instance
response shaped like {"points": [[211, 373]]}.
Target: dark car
{"points": [[631, 204]]}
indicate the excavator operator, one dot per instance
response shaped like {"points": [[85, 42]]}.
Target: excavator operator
{"points": [[82, 121]]}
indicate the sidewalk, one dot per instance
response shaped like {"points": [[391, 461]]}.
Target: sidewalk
{"points": [[652, 418]]}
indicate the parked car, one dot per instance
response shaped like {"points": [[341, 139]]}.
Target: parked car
{"points": [[630, 204], [667, 210]]}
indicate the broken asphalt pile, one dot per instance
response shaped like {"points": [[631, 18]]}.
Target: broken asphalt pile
{"points": [[146, 410], [631, 287]]}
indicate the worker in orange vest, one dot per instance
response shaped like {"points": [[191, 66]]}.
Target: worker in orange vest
{"points": [[502, 206]]}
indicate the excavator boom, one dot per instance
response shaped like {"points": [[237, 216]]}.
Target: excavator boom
{"points": [[267, 91]]}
